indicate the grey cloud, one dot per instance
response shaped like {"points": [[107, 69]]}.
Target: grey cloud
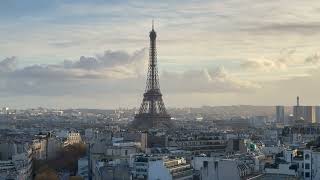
{"points": [[110, 63], [297, 28], [206, 81], [100, 75], [107, 59], [314, 59], [63, 43], [71, 76], [8, 64]]}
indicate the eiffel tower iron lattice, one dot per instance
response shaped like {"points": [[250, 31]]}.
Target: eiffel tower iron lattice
{"points": [[152, 112]]}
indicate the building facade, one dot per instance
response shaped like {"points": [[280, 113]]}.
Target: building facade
{"points": [[161, 168]]}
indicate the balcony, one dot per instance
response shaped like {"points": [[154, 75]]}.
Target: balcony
{"points": [[179, 167], [182, 174]]}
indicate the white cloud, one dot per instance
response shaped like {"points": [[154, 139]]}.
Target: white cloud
{"points": [[265, 65]]}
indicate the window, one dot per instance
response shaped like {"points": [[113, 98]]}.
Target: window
{"points": [[307, 156], [307, 174], [307, 166]]}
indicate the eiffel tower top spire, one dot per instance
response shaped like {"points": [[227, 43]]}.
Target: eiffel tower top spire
{"points": [[152, 25]]}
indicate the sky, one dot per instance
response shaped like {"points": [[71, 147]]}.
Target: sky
{"points": [[94, 54]]}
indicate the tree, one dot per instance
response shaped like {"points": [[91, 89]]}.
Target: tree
{"points": [[46, 173]]}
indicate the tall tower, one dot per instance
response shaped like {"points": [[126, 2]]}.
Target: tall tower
{"points": [[298, 110], [280, 116], [152, 112]]}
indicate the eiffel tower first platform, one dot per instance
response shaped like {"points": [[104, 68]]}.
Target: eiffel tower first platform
{"points": [[152, 112]]}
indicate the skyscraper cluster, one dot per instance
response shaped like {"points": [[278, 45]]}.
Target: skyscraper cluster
{"points": [[300, 113]]}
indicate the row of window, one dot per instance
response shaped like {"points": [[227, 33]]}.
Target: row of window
{"points": [[141, 170], [200, 143], [305, 166]]}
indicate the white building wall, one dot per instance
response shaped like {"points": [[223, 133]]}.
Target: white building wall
{"points": [[224, 169], [157, 171], [315, 165], [288, 155], [197, 162], [307, 164], [283, 170]]}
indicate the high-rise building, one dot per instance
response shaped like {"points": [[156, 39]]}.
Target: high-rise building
{"points": [[280, 114], [309, 114], [317, 112], [306, 113], [298, 110], [152, 112]]}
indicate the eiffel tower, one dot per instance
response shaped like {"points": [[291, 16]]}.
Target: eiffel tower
{"points": [[152, 112]]}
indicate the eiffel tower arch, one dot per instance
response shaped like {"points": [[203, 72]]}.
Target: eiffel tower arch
{"points": [[152, 112]]}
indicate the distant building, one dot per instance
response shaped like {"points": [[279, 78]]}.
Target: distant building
{"points": [[199, 145], [258, 121], [161, 168], [108, 156], [83, 167], [39, 148], [236, 146], [149, 140], [300, 133], [73, 138], [309, 114], [280, 114], [305, 113], [18, 163], [298, 110], [317, 113], [45, 146], [112, 171], [226, 169], [305, 163]]}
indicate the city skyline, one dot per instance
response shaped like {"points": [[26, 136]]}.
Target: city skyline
{"points": [[93, 54]]}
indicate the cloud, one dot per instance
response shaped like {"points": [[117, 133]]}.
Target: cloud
{"points": [[265, 65], [8, 64], [107, 59], [111, 72], [314, 59], [71, 76], [282, 62], [111, 64], [286, 27], [207, 81]]}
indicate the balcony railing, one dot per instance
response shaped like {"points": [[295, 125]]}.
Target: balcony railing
{"points": [[181, 174]]}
